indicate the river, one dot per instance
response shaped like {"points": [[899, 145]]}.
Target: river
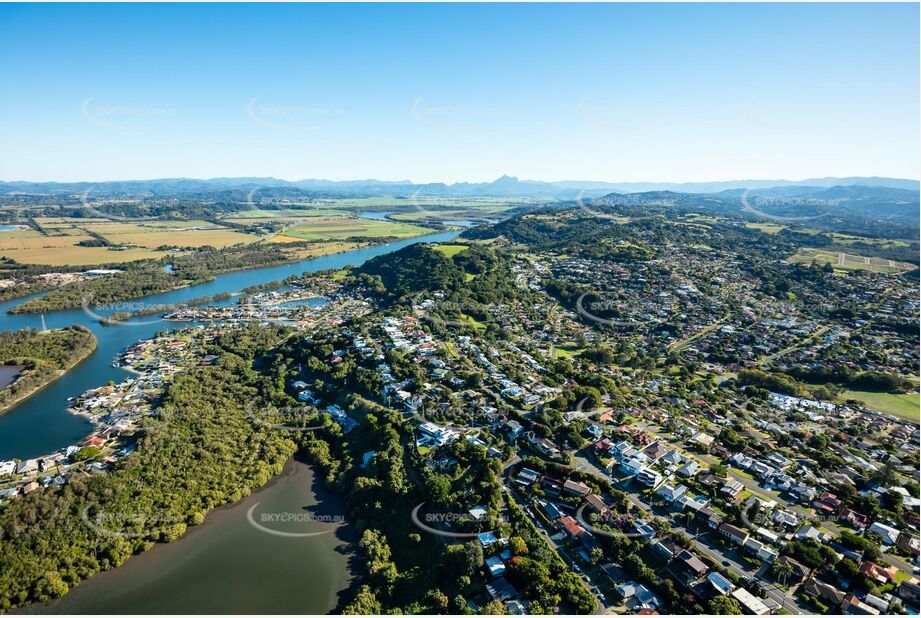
{"points": [[234, 563], [41, 424]]}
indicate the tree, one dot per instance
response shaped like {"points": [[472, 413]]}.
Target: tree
{"points": [[364, 604], [724, 606], [438, 599], [459, 605], [493, 608], [781, 570], [847, 568], [518, 546], [462, 560]]}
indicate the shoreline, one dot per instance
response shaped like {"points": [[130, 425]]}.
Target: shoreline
{"points": [[9, 405], [300, 258], [296, 259], [162, 559]]}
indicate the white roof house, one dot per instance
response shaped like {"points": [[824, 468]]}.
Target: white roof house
{"points": [[889, 534]]}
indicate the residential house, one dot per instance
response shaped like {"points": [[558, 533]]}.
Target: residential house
{"points": [[733, 533], [826, 593], [571, 527], [908, 543], [910, 591], [720, 584], [799, 571], [827, 502], [638, 597], [634, 464], [852, 606], [495, 565], [549, 509], [807, 532], [785, 519], [674, 458], [853, 518], [671, 493], [750, 604], [889, 535], [687, 568], [501, 590], [709, 518], [689, 469], [703, 440], [649, 477], [526, 476], [877, 573], [665, 547], [597, 503], [575, 488], [655, 451], [27, 466], [732, 488], [487, 539]]}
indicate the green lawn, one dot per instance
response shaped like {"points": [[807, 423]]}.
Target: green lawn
{"points": [[566, 351], [904, 406], [472, 321], [767, 228], [847, 261], [450, 250]]}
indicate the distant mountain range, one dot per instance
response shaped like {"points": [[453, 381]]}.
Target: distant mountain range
{"points": [[506, 186]]}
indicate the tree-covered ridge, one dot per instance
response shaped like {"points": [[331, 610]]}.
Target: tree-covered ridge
{"points": [[43, 356], [578, 230], [58, 348], [199, 452], [413, 269], [476, 275]]}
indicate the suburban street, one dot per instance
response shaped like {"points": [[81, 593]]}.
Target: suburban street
{"points": [[703, 544]]}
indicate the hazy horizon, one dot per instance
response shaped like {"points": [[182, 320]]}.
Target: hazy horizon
{"points": [[465, 181]]}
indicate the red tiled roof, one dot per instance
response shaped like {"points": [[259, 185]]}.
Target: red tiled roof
{"points": [[572, 526]]}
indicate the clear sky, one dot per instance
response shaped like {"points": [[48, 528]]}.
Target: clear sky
{"points": [[459, 92]]}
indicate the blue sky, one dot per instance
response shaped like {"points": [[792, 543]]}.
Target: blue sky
{"points": [[425, 92]]}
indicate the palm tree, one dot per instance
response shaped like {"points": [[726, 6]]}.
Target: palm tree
{"points": [[781, 570]]}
